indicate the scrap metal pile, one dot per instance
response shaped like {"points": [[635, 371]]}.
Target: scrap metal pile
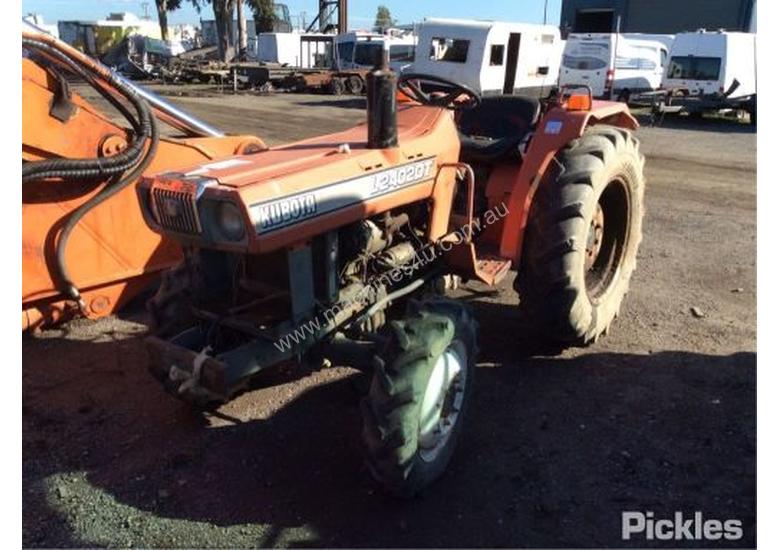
{"points": [[139, 60], [138, 56]]}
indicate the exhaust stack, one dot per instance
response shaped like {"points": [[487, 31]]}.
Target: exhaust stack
{"points": [[382, 108]]}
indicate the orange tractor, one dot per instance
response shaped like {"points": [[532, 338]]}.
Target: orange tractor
{"points": [[85, 247], [341, 249]]}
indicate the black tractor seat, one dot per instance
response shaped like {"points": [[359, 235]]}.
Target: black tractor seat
{"points": [[494, 130]]}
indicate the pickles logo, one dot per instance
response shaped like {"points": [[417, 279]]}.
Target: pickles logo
{"points": [[646, 525], [286, 211]]}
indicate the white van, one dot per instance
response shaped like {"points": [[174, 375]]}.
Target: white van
{"points": [[615, 65], [490, 57], [361, 50], [706, 63]]}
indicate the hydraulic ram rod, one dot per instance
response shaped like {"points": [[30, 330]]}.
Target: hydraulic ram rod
{"points": [[166, 112]]}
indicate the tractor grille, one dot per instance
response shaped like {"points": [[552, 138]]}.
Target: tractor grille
{"points": [[176, 210]]}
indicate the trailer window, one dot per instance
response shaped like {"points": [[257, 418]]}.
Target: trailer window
{"points": [[402, 53], [694, 68], [449, 49], [497, 54], [586, 55], [583, 63]]}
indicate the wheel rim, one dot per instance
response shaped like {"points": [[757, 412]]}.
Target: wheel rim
{"points": [[595, 238], [355, 85], [606, 240], [442, 401]]}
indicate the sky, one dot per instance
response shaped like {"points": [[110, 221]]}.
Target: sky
{"points": [[361, 12]]}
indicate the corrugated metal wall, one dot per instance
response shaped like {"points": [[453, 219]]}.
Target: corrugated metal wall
{"points": [[569, 9], [666, 16], [673, 16]]}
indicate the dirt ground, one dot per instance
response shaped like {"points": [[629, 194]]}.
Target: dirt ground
{"points": [[658, 416]]}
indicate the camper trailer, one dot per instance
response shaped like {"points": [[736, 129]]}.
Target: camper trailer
{"points": [[490, 57], [711, 72], [361, 50], [615, 66]]}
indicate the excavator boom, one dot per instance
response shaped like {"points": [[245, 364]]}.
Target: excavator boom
{"points": [[85, 247]]}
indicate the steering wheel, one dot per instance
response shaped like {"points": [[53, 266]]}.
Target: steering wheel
{"points": [[410, 85]]}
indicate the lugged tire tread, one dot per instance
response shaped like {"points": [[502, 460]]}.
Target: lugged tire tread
{"points": [[550, 302], [390, 410]]}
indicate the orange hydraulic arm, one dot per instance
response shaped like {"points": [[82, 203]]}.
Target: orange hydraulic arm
{"points": [[110, 255]]}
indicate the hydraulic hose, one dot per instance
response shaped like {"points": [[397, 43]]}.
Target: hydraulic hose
{"points": [[116, 167], [109, 191], [94, 167]]}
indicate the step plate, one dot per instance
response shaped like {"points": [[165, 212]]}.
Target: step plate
{"points": [[491, 269]]}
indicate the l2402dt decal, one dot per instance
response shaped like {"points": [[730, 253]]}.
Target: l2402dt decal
{"points": [[285, 211]]}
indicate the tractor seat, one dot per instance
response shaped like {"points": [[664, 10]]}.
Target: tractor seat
{"points": [[493, 131]]}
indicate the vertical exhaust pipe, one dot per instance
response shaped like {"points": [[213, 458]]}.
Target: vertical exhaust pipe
{"points": [[343, 16], [382, 108]]}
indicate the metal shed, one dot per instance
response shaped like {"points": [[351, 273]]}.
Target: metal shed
{"points": [[657, 16]]}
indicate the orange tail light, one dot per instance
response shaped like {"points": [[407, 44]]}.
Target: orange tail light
{"points": [[580, 102]]}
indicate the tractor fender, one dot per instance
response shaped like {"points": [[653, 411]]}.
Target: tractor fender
{"points": [[557, 128]]}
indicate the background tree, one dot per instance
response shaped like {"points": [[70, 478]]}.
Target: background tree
{"points": [[223, 18], [166, 6], [383, 19], [242, 37], [163, 7], [265, 16]]}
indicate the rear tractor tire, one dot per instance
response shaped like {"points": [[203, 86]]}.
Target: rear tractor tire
{"points": [[413, 413], [582, 238]]}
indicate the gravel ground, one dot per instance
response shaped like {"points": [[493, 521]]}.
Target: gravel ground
{"points": [[659, 415]]}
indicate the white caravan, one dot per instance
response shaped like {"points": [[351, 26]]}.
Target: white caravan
{"points": [[705, 63], [361, 50], [615, 65], [490, 57]]}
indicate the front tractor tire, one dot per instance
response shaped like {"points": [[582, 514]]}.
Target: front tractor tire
{"points": [[582, 238], [413, 413]]}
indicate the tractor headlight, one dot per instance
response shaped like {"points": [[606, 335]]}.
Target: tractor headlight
{"points": [[230, 221]]}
